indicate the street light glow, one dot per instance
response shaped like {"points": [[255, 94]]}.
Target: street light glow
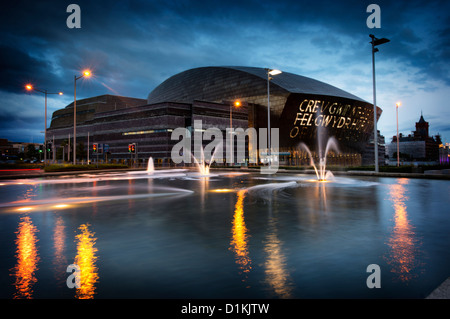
{"points": [[222, 190], [237, 103], [29, 87], [61, 206], [60, 93], [87, 73], [274, 72], [398, 104]]}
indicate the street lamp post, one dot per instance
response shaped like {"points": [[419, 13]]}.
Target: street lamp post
{"points": [[85, 73], [269, 73], [236, 104], [375, 41], [29, 87], [398, 141]]}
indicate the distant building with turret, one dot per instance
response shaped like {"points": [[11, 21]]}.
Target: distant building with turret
{"points": [[418, 146]]}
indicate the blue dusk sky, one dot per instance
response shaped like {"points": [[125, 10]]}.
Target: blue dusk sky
{"points": [[132, 46]]}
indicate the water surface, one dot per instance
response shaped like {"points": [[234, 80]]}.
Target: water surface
{"points": [[176, 234]]}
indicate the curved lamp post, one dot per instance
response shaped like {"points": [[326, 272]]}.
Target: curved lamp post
{"points": [[375, 41], [269, 73], [30, 87], [86, 73]]}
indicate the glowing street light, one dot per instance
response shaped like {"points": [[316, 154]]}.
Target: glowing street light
{"points": [[274, 72], [398, 141], [86, 73], [270, 72], [30, 87]]}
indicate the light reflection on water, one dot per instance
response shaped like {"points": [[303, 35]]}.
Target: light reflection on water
{"points": [[59, 244], [277, 275], [276, 233], [86, 259], [403, 242], [27, 259], [239, 241]]}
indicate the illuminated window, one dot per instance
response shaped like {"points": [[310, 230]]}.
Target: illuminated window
{"points": [[147, 132]]}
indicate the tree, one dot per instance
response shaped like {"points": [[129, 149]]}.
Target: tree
{"points": [[31, 152], [81, 151], [438, 139]]}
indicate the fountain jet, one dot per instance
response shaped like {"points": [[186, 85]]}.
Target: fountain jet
{"points": [[150, 166], [202, 165], [321, 172]]}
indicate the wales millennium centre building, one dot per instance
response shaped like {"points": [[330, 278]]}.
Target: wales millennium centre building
{"points": [[300, 107]]}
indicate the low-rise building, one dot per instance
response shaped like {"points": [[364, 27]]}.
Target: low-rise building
{"points": [[418, 146]]}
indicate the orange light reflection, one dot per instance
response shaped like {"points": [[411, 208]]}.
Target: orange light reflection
{"points": [[27, 259], [222, 190], [85, 259], [276, 271], [239, 241], [403, 240]]}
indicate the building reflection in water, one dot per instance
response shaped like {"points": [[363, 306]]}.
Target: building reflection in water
{"points": [[59, 240], [277, 275], [131, 191], [204, 187], [86, 260], [403, 242], [315, 207], [239, 241], [321, 195], [94, 194], [27, 259]]}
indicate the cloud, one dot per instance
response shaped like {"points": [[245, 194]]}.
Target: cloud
{"points": [[19, 68], [132, 46]]}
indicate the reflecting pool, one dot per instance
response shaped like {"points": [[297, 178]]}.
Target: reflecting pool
{"points": [[179, 234]]}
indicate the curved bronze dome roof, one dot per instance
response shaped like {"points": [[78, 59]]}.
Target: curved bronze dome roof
{"points": [[217, 84]]}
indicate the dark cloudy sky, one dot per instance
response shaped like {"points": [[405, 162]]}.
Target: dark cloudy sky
{"points": [[132, 46]]}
